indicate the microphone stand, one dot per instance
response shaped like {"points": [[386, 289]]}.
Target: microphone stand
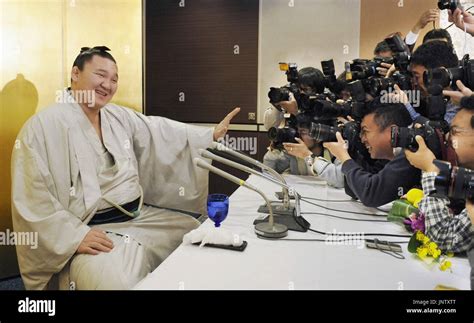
{"points": [[285, 207], [267, 230], [294, 221]]}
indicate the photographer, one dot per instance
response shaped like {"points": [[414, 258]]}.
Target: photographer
{"points": [[383, 50], [317, 160], [432, 55], [294, 158], [310, 80], [397, 176], [450, 231]]}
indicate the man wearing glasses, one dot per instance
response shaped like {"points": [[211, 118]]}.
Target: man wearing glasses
{"points": [[451, 231]]}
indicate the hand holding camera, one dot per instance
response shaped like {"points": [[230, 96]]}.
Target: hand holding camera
{"points": [[423, 158], [338, 149], [299, 149]]}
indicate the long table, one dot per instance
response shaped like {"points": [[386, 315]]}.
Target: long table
{"points": [[280, 264]]}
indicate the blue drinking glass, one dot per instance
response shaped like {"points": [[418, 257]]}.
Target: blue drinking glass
{"points": [[217, 208]]}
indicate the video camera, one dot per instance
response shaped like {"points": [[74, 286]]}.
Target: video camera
{"points": [[454, 182]]}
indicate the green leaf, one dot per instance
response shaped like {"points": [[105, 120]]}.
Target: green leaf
{"points": [[402, 208], [413, 244]]}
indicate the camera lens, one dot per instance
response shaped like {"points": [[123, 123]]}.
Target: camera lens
{"points": [[323, 133], [443, 179], [278, 94], [404, 137], [281, 135], [462, 183]]}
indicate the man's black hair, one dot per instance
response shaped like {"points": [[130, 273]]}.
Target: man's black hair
{"points": [[438, 34], [467, 103], [434, 54], [386, 114], [88, 53], [381, 47], [311, 77]]}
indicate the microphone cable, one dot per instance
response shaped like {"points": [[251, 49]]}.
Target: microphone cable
{"points": [[344, 218], [337, 210]]}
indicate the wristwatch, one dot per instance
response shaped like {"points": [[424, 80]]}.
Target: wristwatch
{"points": [[309, 160]]}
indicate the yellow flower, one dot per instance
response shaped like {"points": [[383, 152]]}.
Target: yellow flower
{"points": [[419, 236], [425, 240], [445, 265], [422, 252], [436, 254], [432, 248], [414, 196]]}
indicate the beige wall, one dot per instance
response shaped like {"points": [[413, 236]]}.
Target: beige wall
{"points": [[39, 41], [378, 18]]}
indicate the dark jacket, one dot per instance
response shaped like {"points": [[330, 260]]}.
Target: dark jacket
{"points": [[396, 178]]}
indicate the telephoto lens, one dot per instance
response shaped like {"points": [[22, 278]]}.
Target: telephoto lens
{"points": [[323, 133], [454, 182], [280, 135]]}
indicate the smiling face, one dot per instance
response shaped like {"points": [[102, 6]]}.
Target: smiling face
{"points": [[99, 76], [376, 140], [417, 72]]}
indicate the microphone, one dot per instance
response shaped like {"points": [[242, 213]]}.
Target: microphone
{"points": [[268, 230], [277, 207], [284, 195]]}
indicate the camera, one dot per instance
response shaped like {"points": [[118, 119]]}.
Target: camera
{"points": [[325, 133], [454, 182], [449, 4], [291, 71], [284, 134], [405, 138], [364, 68], [439, 78], [280, 135], [329, 72], [277, 94]]}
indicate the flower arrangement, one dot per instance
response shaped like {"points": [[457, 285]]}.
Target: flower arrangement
{"points": [[424, 248], [405, 211]]}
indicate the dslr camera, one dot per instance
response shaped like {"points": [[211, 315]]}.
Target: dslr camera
{"points": [[325, 133], [277, 94], [404, 137]]}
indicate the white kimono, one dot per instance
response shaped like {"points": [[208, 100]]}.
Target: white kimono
{"points": [[60, 173]]}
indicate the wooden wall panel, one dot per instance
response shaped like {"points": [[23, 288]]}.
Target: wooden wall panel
{"points": [[190, 50]]}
